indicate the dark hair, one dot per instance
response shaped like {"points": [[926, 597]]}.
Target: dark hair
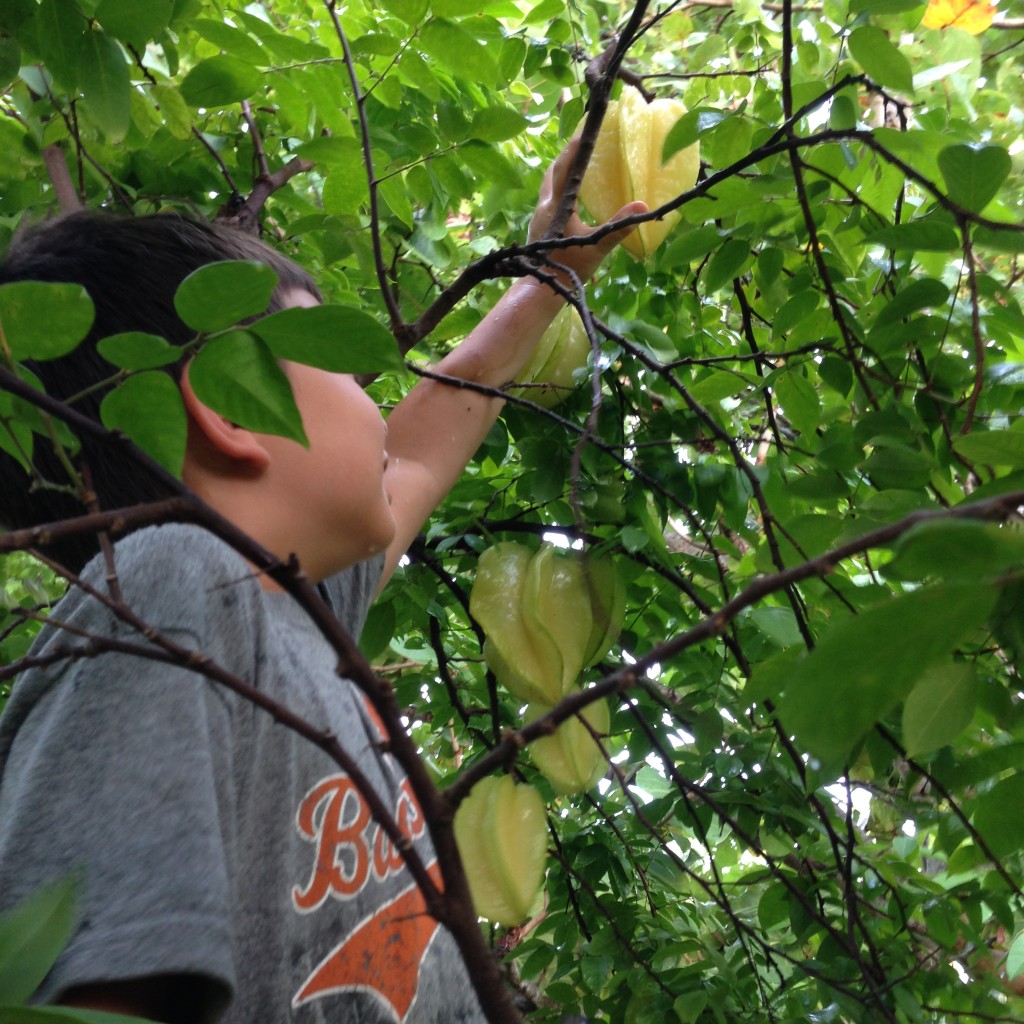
{"points": [[131, 268]]}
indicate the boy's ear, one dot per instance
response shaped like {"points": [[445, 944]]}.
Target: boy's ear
{"points": [[219, 432]]}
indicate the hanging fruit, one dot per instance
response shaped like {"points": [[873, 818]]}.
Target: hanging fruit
{"points": [[546, 616], [570, 757], [626, 165], [501, 833], [563, 348]]}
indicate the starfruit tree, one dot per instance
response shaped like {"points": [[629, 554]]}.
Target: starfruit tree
{"points": [[774, 754]]}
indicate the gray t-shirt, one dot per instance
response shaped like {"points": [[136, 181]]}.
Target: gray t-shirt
{"points": [[210, 840]]}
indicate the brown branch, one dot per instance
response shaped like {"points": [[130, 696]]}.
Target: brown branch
{"points": [[263, 188], [68, 199], [398, 325]]}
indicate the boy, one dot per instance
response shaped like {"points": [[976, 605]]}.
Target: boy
{"points": [[230, 871]]}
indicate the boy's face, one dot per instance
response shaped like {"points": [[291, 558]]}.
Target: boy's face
{"points": [[336, 486]]}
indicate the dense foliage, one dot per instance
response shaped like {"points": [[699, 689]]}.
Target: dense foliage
{"points": [[806, 452]]}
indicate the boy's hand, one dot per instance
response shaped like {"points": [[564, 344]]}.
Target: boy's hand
{"points": [[582, 259]]}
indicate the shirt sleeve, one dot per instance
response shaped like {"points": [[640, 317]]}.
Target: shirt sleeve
{"points": [[350, 593], [118, 769]]}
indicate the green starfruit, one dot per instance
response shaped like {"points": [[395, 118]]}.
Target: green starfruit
{"points": [[501, 833], [570, 757], [563, 348], [546, 616]]}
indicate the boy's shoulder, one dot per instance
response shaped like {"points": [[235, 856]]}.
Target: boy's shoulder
{"points": [[177, 577]]}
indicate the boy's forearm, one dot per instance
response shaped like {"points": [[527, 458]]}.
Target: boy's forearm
{"points": [[434, 431]]}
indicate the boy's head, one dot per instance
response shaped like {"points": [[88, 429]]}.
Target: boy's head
{"points": [[131, 268]]}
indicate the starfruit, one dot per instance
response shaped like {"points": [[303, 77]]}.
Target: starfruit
{"points": [[526, 662], [562, 349], [546, 616], [502, 838], [607, 592], [570, 757], [626, 165]]}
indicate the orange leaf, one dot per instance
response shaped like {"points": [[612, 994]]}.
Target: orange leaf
{"points": [[969, 15]]}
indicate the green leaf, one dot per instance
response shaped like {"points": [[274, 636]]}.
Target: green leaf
{"points": [[136, 350], [993, 447], [137, 23], [875, 53], [220, 81], [341, 339], [32, 936], [897, 468], [727, 263], [237, 375], [921, 294], [973, 173], [866, 664], [1015, 957], [10, 59], [956, 549], [495, 124], [459, 52], [105, 83], [922, 236], [998, 816], [490, 166], [884, 6], [221, 295], [939, 707], [149, 409], [44, 321], [59, 31], [689, 128]]}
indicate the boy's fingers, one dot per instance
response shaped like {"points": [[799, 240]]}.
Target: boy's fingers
{"points": [[610, 241]]}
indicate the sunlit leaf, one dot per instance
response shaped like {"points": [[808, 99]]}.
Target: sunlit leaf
{"points": [[875, 52]]}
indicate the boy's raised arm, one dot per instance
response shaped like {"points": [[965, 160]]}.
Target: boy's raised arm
{"points": [[434, 431]]}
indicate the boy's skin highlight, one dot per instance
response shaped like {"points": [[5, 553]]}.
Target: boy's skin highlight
{"points": [[362, 486]]}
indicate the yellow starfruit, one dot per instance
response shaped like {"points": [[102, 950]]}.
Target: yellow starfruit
{"points": [[626, 165], [502, 838], [570, 758]]}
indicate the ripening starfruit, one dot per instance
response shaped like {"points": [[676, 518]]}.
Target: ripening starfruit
{"points": [[526, 662], [563, 348], [569, 757], [626, 165], [502, 838], [546, 616]]}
